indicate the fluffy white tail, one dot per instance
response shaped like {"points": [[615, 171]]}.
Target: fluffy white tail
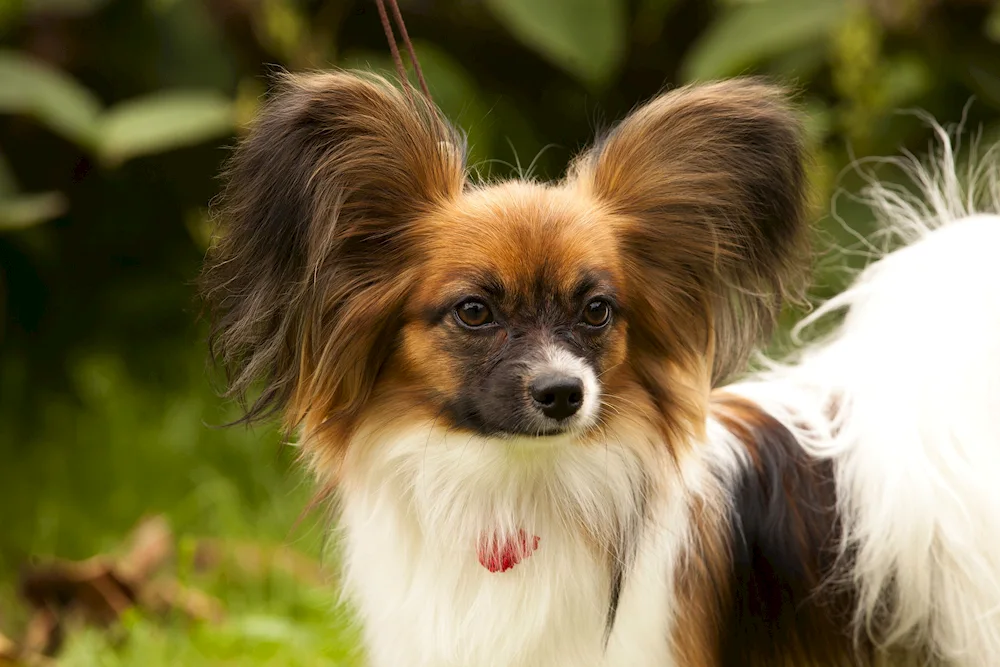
{"points": [[904, 397]]}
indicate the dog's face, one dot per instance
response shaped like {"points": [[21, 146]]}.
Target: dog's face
{"points": [[517, 314], [358, 263]]}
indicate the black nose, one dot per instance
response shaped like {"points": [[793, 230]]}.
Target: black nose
{"points": [[557, 396]]}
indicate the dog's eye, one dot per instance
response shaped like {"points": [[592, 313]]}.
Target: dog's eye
{"points": [[597, 313], [473, 314]]}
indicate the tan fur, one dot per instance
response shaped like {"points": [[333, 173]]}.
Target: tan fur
{"points": [[701, 582], [708, 181]]}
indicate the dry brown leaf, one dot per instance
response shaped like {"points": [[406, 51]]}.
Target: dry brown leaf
{"points": [[99, 590], [8, 649], [92, 588], [152, 545], [11, 655]]}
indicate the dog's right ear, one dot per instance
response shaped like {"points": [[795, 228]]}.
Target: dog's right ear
{"points": [[709, 186], [311, 265]]}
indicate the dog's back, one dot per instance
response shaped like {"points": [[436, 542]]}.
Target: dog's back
{"points": [[904, 401]]}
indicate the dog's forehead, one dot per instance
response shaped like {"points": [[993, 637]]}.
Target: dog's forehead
{"points": [[526, 237]]}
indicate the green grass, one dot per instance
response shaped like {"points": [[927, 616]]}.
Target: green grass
{"points": [[99, 458], [282, 623]]}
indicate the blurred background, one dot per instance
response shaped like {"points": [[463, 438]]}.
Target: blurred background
{"points": [[115, 116]]}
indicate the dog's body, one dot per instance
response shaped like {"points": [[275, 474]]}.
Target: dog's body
{"points": [[515, 392]]}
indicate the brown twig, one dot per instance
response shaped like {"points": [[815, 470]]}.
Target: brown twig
{"points": [[391, 38], [409, 47]]}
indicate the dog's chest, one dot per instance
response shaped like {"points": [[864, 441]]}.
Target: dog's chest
{"points": [[437, 605], [430, 595]]}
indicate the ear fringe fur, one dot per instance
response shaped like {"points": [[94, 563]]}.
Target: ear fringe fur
{"points": [[317, 215]]}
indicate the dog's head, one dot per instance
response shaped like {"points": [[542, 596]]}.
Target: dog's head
{"points": [[359, 271]]}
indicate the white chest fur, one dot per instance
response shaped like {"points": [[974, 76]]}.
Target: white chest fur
{"points": [[418, 502]]}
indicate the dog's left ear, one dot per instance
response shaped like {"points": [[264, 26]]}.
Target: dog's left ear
{"points": [[706, 184]]}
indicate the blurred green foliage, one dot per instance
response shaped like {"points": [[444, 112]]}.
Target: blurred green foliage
{"points": [[115, 116]]}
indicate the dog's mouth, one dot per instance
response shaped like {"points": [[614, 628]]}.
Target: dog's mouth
{"points": [[539, 429], [523, 422], [551, 427]]}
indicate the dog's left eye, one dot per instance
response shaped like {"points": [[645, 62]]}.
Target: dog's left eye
{"points": [[474, 314], [597, 313]]}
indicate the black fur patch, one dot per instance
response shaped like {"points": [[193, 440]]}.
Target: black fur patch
{"points": [[780, 606], [496, 362]]}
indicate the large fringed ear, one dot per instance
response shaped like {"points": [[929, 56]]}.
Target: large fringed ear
{"points": [[707, 184], [316, 246]]}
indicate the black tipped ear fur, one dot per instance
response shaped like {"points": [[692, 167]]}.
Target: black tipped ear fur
{"points": [[709, 184], [315, 246]]}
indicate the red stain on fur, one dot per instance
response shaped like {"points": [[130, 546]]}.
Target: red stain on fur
{"points": [[500, 553]]}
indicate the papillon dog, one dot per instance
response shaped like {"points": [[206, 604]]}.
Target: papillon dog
{"points": [[520, 393]]}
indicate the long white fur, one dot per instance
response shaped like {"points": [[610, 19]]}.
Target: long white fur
{"points": [[421, 497], [415, 510], [913, 378]]}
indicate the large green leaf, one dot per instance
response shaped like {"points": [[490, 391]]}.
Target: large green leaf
{"points": [[163, 121], [584, 37], [750, 33], [31, 87], [21, 211]]}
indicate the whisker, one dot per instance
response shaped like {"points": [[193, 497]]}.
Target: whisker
{"points": [[608, 369], [513, 149], [531, 166]]}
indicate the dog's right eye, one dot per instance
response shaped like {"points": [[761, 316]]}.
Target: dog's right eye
{"points": [[474, 314]]}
